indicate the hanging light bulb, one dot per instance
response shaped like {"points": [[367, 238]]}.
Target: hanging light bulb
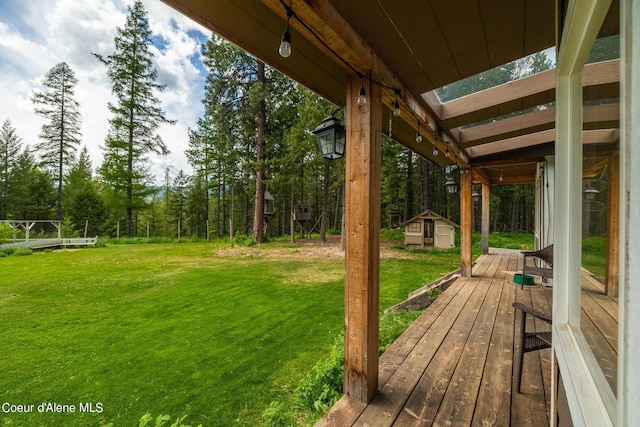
{"points": [[396, 106], [446, 153], [435, 151], [418, 136], [285, 43], [362, 97], [501, 178]]}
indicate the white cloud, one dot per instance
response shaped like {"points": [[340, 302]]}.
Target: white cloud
{"points": [[36, 35]]}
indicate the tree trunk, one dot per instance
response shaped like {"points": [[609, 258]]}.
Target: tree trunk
{"points": [[292, 224], [325, 202], [232, 219], [424, 171], [337, 219], [258, 208], [129, 209], [219, 218], [408, 199], [514, 212]]}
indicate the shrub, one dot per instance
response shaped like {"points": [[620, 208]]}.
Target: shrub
{"points": [[392, 234], [159, 240], [322, 388], [278, 414], [243, 240], [23, 252], [6, 232], [160, 421]]}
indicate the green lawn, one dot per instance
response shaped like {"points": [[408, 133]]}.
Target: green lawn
{"points": [[172, 329]]}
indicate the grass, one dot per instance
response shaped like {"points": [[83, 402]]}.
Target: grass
{"points": [[509, 240], [594, 255], [158, 328], [171, 329]]}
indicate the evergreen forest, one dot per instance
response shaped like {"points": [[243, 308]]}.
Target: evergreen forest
{"points": [[252, 154]]}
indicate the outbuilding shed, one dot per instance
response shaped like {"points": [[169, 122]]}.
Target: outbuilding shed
{"points": [[430, 229]]}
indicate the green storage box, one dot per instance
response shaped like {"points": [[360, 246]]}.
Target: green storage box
{"points": [[528, 279]]}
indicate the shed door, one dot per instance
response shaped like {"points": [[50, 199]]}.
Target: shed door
{"points": [[444, 236]]}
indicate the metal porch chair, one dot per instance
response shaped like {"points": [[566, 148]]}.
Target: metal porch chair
{"points": [[528, 341]]}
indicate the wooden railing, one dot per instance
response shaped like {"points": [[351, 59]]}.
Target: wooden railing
{"points": [[50, 243]]}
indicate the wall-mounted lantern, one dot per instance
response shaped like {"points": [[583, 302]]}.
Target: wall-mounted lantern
{"points": [[451, 186], [331, 137]]}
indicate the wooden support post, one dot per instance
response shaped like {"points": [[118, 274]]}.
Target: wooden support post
{"points": [[613, 223], [362, 279], [486, 216], [466, 215]]}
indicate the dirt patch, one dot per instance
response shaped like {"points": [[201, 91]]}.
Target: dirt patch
{"points": [[305, 249]]}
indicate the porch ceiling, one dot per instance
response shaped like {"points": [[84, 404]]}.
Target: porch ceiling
{"points": [[418, 46]]}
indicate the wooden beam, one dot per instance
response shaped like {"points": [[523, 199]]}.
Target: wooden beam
{"points": [[505, 163], [591, 114], [513, 179], [514, 143], [479, 176], [486, 213], [613, 223], [598, 136], [524, 121], [362, 279], [596, 168], [594, 74], [509, 91], [466, 225]]}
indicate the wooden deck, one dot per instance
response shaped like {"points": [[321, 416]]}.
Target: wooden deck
{"points": [[453, 366]]}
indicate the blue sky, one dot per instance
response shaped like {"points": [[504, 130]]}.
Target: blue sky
{"points": [[35, 35]]}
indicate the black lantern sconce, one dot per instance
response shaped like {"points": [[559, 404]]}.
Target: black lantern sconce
{"points": [[476, 196], [451, 186], [331, 137]]}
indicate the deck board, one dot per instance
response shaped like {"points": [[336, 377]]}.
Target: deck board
{"points": [[493, 396], [453, 366], [390, 399], [423, 404], [460, 398]]}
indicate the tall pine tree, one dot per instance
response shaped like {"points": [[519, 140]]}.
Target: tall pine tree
{"points": [[61, 133], [136, 111], [10, 145], [31, 195]]}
